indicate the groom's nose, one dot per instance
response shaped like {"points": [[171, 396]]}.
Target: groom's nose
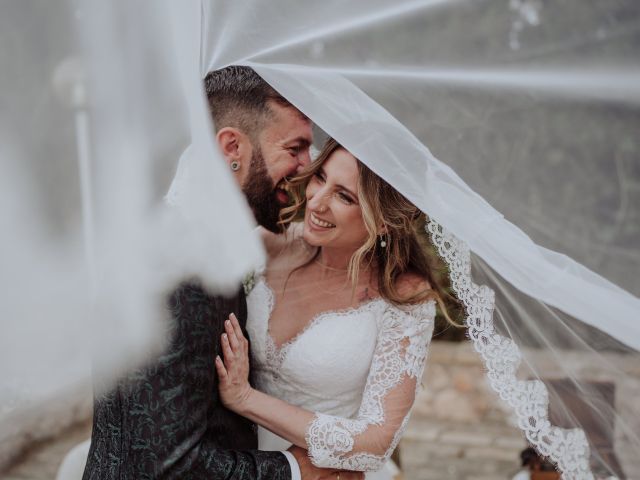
{"points": [[304, 159]]}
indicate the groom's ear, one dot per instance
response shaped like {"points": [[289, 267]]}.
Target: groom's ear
{"points": [[234, 145]]}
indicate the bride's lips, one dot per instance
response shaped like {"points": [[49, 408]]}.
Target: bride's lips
{"points": [[316, 223]]}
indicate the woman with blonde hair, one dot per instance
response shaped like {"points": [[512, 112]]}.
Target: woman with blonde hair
{"points": [[340, 321]]}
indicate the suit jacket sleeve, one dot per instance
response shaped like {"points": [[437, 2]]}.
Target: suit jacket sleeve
{"points": [[165, 421], [212, 462]]}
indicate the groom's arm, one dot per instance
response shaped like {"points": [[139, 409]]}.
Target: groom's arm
{"points": [[209, 441], [164, 421], [209, 461], [157, 423], [259, 465]]}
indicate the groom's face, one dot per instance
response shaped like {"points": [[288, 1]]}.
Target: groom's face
{"points": [[283, 151], [261, 194]]}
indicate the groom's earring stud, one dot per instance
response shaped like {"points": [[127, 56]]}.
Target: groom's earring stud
{"points": [[235, 165]]}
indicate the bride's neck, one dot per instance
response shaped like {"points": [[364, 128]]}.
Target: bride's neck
{"points": [[333, 258]]}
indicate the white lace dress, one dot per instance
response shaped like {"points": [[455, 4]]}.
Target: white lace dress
{"points": [[358, 369]]}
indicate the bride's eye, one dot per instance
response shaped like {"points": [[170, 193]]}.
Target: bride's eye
{"points": [[319, 177], [345, 198]]}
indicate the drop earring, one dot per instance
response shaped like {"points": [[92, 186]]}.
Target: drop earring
{"points": [[383, 241]]}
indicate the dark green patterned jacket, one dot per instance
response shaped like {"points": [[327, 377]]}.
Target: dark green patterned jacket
{"points": [[166, 421]]}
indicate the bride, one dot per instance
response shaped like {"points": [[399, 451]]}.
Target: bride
{"points": [[339, 321]]}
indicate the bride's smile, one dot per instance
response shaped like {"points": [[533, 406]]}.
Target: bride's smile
{"points": [[320, 223]]}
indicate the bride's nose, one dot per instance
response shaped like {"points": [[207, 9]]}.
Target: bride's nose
{"points": [[318, 201], [304, 159]]}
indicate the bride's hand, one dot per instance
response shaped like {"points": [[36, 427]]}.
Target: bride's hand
{"points": [[233, 373]]}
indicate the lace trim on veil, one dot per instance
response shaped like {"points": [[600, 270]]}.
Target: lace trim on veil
{"points": [[529, 399]]}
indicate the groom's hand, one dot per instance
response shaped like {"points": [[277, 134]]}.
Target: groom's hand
{"points": [[309, 471]]}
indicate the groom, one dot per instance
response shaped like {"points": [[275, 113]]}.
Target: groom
{"points": [[166, 421]]}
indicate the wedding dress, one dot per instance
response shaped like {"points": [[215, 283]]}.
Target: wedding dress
{"points": [[348, 366]]}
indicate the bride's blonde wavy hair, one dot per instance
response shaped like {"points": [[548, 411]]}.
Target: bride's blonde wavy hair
{"points": [[382, 205]]}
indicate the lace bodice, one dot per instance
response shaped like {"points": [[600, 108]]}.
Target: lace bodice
{"points": [[358, 369]]}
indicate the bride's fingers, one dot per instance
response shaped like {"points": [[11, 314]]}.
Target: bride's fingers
{"points": [[220, 368], [239, 334], [236, 326], [231, 334], [226, 350]]}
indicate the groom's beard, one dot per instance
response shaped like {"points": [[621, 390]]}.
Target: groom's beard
{"points": [[261, 194]]}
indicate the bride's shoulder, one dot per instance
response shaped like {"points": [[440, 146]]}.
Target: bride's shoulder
{"points": [[277, 243], [410, 284], [420, 305]]}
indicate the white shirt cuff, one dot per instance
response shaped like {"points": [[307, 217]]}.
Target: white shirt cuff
{"points": [[293, 463]]}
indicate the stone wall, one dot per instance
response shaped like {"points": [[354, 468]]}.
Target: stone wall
{"points": [[458, 429], [461, 430]]}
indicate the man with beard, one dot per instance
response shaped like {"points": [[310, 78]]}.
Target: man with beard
{"points": [[166, 421]]}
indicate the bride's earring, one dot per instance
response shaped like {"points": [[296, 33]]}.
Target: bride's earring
{"points": [[235, 165], [383, 241]]}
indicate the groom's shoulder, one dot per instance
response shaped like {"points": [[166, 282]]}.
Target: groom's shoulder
{"points": [[189, 286], [192, 291]]}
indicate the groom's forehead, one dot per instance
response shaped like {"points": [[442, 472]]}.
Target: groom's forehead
{"points": [[287, 111], [290, 123]]}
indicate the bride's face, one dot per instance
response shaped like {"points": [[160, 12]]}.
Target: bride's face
{"points": [[333, 217]]}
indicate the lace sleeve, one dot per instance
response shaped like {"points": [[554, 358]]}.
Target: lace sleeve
{"points": [[365, 443]]}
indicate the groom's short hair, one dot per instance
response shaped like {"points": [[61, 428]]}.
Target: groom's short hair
{"points": [[238, 97]]}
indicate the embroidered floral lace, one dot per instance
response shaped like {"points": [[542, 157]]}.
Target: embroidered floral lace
{"points": [[364, 443]]}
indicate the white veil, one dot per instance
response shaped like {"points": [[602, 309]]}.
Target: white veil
{"points": [[531, 179], [527, 95]]}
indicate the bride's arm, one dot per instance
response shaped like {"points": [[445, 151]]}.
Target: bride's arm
{"points": [[361, 443], [236, 393]]}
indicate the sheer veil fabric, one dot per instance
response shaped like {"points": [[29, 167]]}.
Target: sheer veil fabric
{"points": [[511, 123], [387, 80]]}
